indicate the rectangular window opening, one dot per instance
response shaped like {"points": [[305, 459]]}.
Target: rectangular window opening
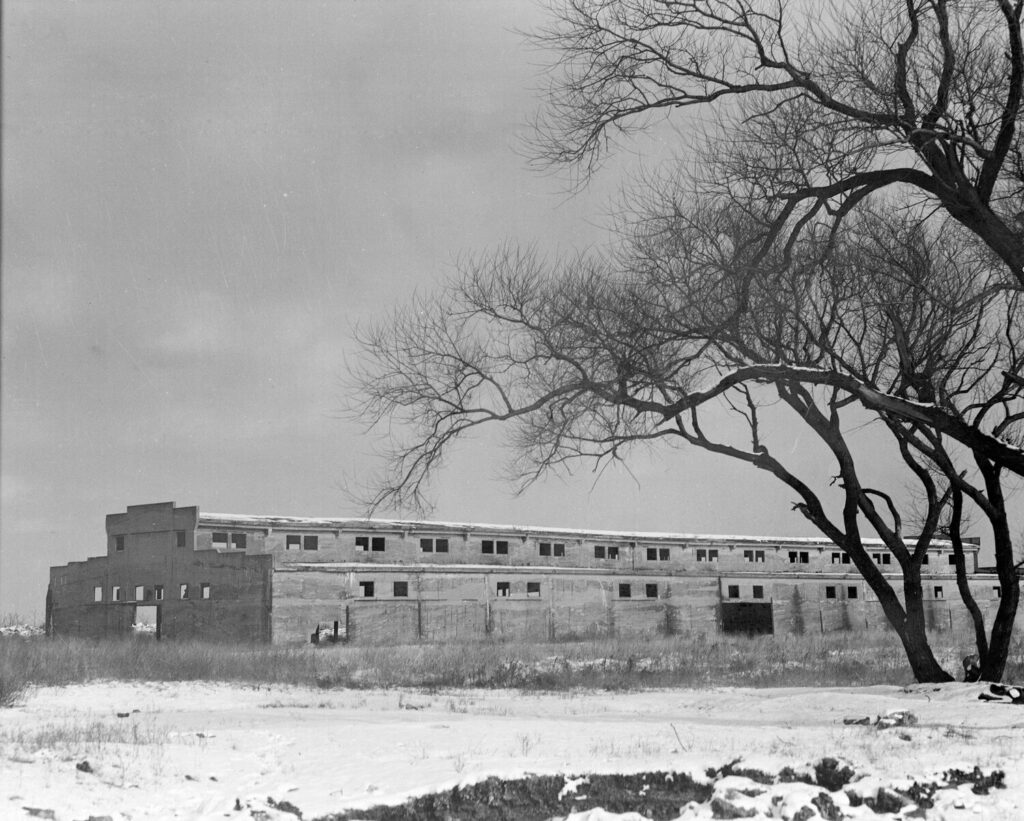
{"points": [[625, 591], [363, 542], [652, 554], [504, 589], [938, 591], [426, 545], [651, 590], [366, 590], [851, 592], [598, 551], [220, 540], [545, 548], [830, 592], [440, 545], [158, 592], [501, 548], [119, 543], [758, 591], [663, 554], [533, 589], [292, 541], [401, 590], [559, 550], [179, 538], [487, 546], [613, 552], [204, 590], [805, 557], [140, 593], [734, 591], [311, 542], [238, 541], [377, 544]]}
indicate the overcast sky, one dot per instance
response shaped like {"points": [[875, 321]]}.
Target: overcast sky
{"points": [[200, 200]]}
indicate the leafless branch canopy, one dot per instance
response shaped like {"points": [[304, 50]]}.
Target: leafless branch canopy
{"points": [[818, 104]]}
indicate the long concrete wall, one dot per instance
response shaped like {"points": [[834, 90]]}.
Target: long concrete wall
{"points": [[446, 606]]}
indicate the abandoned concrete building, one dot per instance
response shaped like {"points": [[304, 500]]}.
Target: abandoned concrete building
{"points": [[287, 580]]}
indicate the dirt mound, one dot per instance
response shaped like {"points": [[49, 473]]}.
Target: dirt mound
{"points": [[823, 790]]}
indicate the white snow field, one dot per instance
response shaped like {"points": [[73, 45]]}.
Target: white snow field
{"points": [[220, 751]]}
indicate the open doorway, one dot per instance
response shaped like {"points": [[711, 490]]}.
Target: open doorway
{"points": [[147, 620], [753, 618]]}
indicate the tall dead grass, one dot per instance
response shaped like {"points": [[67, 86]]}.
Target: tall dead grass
{"points": [[682, 661]]}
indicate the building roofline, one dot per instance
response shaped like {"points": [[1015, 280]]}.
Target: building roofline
{"points": [[522, 531]]}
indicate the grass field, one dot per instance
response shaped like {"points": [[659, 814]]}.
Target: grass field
{"points": [[839, 659]]}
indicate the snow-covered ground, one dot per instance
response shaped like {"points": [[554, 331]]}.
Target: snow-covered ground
{"points": [[195, 751]]}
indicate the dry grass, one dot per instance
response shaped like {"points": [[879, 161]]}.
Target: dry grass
{"points": [[618, 664]]}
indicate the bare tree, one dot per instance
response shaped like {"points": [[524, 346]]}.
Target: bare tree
{"points": [[818, 105], [600, 355]]}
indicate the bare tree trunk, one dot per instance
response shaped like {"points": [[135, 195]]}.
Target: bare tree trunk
{"points": [[993, 663]]}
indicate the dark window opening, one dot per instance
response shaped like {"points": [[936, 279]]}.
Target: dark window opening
{"points": [[712, 555], [292, 542], [613, 552], [533, 589], [598, 551], [836, 558], [220, 540], [427, 545], [559, 549], [938, 591], [663, 554], [625, 591], [115, 593], [401, 590], [440, 545], [753, 556], [851, 592], [238, 541], [830, 592], [501, 548], [179, 538], [487, 546], [758, 591], [886, 558], [545, 548], [377, 544], [924, 559], [366, 589], [652, 554], [119, 543], [311, 542], [952, 558], [363, 542], [158, 592], [734, 591], [702, 555], [651, 590], [504, 589]]}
